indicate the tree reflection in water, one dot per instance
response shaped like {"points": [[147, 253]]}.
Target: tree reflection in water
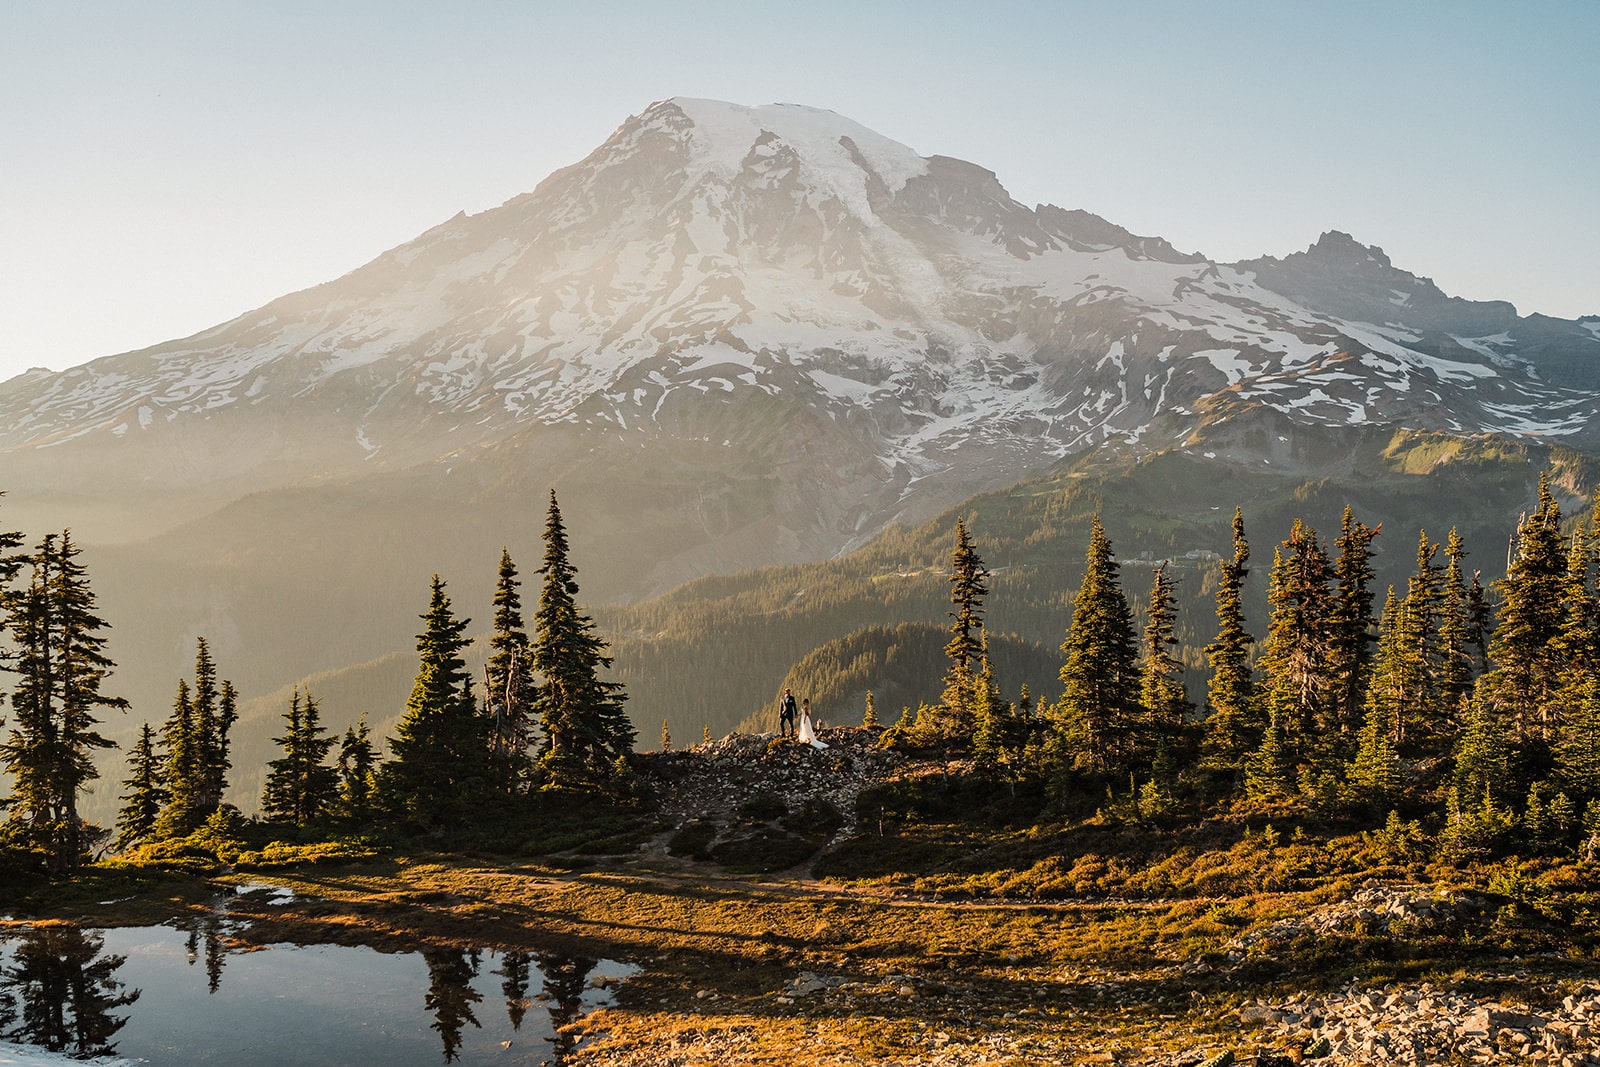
{"points": [[450, 994], [58, 992], [565, 978], [514, 968], [206, 927]]}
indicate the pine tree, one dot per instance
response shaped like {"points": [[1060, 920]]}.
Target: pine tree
{"points": [[666, 736], [1425, 713], [968, 587], [1234, 725], [1396, 674], [1269, 770], [705, 734], [1376, 773], [586, 730], [869, 716], [146, 795], [1455, 667], [1350, 623], [438, 775], [61, 666], [195, 739], [1578, 750], [182, 769], [357, 772], [1294, 660], [1100, 697], [1483, 755], [1576, 647], [1526, 669], [508, 685], [301, 787], [1165, 700]]}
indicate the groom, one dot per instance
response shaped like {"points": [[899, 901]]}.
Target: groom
{"points": [[786, 713]]}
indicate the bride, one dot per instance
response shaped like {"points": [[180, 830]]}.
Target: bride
{"points": [[805, 735]]}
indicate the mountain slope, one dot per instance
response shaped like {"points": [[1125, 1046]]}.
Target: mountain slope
{"points": [[729, 337]]}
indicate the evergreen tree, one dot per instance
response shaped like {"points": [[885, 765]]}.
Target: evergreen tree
{"points": [[1576, 647], [705, 734], [1376, 773], [1099, 702], [1396, 675], [195, 739], [1527, 669], [1483, 755], [1234, 725], [968, 587], [1454, 672], [147, 794], [1578, 751], [1295, 659], [508, 685], [586, 730], [666, 736], [182, 769], [1350, 623], [1269, 770], [438, 774], [61, 666], [301, 786], [1165, 700], [357, 772], [869, 716]]}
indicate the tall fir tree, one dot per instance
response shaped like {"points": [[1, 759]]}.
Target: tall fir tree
{"points": [[438, 774], [357, 772], [965, 650], [1099, 706], [1350, 623], [1294, 661], [1577, 755], [61, 666], [587, 734], [1234, 723], [147, 791], [1166, 701], [181, 761], [1526, 667], [1454, 672], [508, 685], [196, 743], [301, 786]]}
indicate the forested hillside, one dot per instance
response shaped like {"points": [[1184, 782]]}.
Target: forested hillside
{"points": [[714, 653], [717, 650]]}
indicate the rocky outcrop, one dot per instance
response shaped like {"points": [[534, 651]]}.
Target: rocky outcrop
{"points": [[1424, 1024]]}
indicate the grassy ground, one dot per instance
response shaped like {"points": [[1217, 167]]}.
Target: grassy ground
{"points": [[885, 976]]}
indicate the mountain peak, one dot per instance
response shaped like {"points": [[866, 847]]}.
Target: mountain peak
{"points": [[1338, 247], [723, 135]]}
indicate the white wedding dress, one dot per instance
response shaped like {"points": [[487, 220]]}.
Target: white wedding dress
{"points": [[805, 735]]}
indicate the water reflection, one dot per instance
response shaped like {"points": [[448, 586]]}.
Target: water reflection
{"points": [[57, 991], [206, 928], [514, 969], [451, 996], [65, 989], [565, 978]]}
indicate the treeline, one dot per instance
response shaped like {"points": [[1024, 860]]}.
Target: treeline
{"points": [[546, 723], [1473, 711]]}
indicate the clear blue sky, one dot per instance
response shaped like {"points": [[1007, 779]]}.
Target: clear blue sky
{"points": [[165, 166]]}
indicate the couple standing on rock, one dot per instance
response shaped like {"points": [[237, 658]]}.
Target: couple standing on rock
{"points": [[786, 722]]}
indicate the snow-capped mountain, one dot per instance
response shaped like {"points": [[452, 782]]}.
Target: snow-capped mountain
{"points": [[769, 332], [707, 250]]}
